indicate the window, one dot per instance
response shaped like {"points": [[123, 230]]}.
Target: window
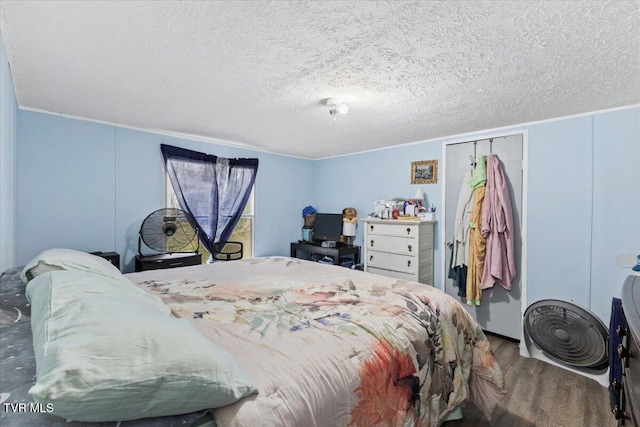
{"points": [[244, 228], [243, 232]]}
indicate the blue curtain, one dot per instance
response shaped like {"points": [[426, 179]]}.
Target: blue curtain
{"points": [[214, 190]]}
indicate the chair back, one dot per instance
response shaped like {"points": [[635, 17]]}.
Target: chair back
{"points": [[227, 251]]}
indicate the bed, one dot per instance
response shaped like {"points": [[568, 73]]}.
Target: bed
{"points": [[330, 346]]}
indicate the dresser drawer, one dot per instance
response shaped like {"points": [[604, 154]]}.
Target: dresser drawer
{"points": [[399, 245], [400, 262], [631, 380], [389, 261], [401, 230], [390, 273], [631, 405]]}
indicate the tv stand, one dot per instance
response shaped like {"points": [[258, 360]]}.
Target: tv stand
{"points": [[336, 253]]}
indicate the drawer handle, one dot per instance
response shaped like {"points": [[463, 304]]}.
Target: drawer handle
{"points": [[623, 352], [620, 332], [371, 242], [408, 231], [409, 263], [617, 413], [371, 228], [370, 257], [409, 247]]}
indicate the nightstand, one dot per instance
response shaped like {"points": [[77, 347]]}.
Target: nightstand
{"points": [[112, 257], [157, 262]]}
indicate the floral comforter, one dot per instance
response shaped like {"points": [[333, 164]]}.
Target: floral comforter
{"points": [[329, 346]]}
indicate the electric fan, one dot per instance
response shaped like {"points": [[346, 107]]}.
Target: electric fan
{"points": [[568, 334], [169, 230]]}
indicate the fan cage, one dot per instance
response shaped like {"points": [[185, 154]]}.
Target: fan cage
{"points": [[567, 333], [169, 230]]}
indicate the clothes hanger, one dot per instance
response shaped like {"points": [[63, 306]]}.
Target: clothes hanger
{"points": [[473, 157]]}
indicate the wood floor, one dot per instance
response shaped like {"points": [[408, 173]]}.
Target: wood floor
{"points": [[542, 395]]}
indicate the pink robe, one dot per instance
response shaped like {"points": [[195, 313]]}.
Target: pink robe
{"points": [[497, 228]]}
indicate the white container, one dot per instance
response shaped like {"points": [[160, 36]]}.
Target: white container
{"points": [[411, 210], [429, 216], [348, 229]]}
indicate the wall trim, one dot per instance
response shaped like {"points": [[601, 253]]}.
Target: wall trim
{"points": [[188, 136], [467, 136], [261, 150]]}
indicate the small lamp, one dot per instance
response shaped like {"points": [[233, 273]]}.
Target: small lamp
{"points": [[349, 222]]}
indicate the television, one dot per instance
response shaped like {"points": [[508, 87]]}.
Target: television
{"points": [[328, 227]]}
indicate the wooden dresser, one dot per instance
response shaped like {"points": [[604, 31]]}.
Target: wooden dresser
{"points": [[399, 248], [629, 351]]}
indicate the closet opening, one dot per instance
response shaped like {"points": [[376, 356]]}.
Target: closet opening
{"points": [[489, 243]]}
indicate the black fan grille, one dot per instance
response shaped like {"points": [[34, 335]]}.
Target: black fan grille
{"points": [[168, 230], [567, 333]]}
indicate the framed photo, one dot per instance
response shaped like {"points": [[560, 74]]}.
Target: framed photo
{"points": [[424, 172]]}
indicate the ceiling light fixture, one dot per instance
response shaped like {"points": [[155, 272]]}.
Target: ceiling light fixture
{"points": [[336, 107]]}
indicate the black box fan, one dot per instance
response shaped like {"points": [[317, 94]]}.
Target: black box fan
{"points": [[567, 333], [169, 230]]}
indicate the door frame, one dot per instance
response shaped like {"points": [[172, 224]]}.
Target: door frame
{"points": [[525, 174]]}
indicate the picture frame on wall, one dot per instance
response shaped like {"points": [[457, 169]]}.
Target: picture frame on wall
{"points": [[424, 172]]}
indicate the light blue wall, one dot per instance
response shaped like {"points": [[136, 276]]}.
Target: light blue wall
{"points": [[616, 201], [88, 186], [8, 139], [583, 207], [559, 208], [66, 185], [583, 202]]}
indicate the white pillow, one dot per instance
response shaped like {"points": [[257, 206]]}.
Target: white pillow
{"points": [[103, 353], [67, 259]]}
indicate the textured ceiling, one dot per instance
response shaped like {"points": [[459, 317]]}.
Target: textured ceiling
{"points": [[256, 73]]}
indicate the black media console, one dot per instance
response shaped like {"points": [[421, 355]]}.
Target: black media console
{"points": [[337, 253]]}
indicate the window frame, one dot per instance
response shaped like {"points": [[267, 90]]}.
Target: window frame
{"points": [[252, 217]]}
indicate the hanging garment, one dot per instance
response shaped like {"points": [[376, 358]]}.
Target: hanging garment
{"points": [[458, 274], [460, 280], [497, 228], [460, 252], [479, 177], [475, 262], [476, 250]]}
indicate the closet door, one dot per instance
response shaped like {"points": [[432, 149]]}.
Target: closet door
{"points": [[500, 310]]}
